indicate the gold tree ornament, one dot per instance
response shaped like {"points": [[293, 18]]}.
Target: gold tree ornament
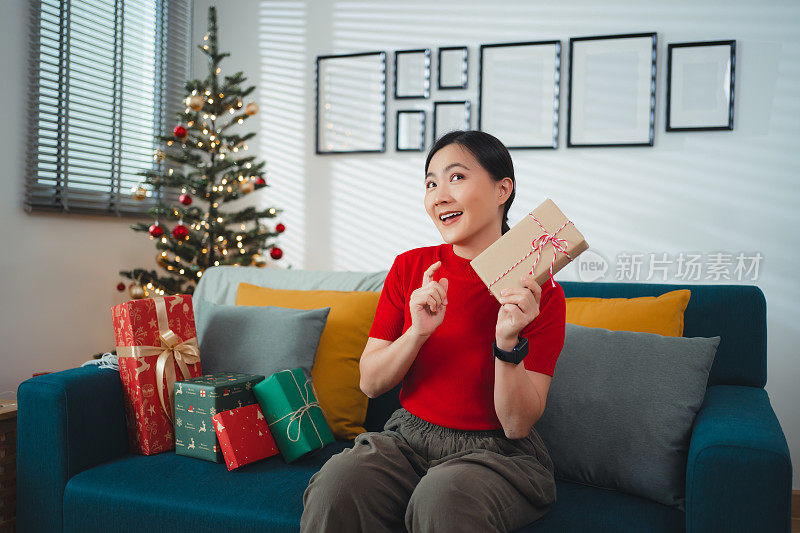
{"points": [[251, 108], [159, 155], [138, 192], [246, 186], [195, 102], [259, 260], [136, 291]]}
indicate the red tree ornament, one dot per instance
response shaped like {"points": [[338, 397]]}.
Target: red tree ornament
{"points": [[179, 132], [156, 230], [276, 253], [185, 199], [180, 232], [280, 228], [120, 286], [260, 181]]}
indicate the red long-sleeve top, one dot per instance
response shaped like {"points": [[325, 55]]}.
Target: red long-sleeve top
{"points": [[451, 381]]}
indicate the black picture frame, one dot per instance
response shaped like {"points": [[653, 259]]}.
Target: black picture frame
{"points": [[731, 82], [442, 103], [427, 91], [465, 77], [652, 101], [423, 135], [556, 89], [382, 55]]}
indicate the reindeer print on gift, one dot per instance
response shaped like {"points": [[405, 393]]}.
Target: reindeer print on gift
{"points": [[202, 397]]}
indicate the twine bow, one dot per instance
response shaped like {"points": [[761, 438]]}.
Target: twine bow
{"points": [[559, 245], [171, 351], [297, 414]]}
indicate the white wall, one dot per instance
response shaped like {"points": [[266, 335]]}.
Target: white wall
{"points": [[701, 192]]}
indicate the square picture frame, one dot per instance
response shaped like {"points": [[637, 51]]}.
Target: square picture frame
{"points": [[410, 130], [524, 114], [350, 103], [412, 73], [700, 85], [450, 115], [612, 90]]}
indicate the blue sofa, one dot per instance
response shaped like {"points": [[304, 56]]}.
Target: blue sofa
{"points": [[75, 472]]}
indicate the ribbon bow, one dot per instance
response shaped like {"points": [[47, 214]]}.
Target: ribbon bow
{"points": [[559, 245], [297, 414], [171, 351]]}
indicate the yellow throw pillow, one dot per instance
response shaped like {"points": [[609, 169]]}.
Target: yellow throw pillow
{"points": [[335, 373], [648, 314]]}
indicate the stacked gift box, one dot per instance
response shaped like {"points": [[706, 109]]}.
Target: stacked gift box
{"points": [[230, 417], [198, 399]]}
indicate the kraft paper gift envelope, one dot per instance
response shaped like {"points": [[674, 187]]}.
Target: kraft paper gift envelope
{"points": [[543, 243]]}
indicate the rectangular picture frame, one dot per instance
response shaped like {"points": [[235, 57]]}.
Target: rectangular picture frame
{"points": [[612, 90], [524, 114], [700, 85], [450, 115], [350, 103], [452, 67], [410, 124], [412, 73]]}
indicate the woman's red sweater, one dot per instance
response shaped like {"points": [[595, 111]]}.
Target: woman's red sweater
{"points": [[451, 381]]}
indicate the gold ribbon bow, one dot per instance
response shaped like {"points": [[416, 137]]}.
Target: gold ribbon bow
{"points": [[171, 351], [303, 410]]}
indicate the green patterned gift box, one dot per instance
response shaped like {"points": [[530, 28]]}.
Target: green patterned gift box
{"points": [[198, 399], [295, 418]]}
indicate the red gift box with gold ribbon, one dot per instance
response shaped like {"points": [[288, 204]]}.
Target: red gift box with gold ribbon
{"points": [[156, 345]]}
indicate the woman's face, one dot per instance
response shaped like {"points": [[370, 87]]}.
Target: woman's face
{"points": [[457, 182]]}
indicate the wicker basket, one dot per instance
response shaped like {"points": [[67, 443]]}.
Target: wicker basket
{"points": [[8, 467]]}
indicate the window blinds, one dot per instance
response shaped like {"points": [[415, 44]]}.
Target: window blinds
{"points": [[107, 77]]}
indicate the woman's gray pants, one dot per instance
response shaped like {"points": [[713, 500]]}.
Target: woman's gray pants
{"points": [[421, 477]]}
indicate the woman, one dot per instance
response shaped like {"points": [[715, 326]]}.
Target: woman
{"points": [[461, 454]]}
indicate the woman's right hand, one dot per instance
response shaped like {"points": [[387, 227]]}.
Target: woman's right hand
{"points": [[429, 302]]}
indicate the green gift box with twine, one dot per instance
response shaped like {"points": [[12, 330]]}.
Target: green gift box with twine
{"points": [[295, 419]]}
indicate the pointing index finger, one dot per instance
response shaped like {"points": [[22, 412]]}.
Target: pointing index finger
{"points": [[428, 274]]}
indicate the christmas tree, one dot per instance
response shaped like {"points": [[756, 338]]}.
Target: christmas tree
{"points": [[199, 159]]}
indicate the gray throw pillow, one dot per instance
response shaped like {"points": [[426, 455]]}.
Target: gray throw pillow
{"points": [[620, 409], [258, 339]]}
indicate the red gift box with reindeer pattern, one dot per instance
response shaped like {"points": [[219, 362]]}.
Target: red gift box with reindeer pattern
{"points": [[156, 345]]}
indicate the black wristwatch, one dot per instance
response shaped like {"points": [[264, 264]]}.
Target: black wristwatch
{"points": [[514, 356]]}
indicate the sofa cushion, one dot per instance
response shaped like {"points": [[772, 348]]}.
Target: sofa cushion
{"points": [[258, 339], [169, 492], [335, 374], [649, 314], [620, 409]]}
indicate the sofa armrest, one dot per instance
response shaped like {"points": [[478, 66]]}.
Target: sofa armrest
{"points": [[67, 422], [738, 472]]}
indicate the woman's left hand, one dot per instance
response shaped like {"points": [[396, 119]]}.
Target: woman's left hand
{"points": [[518, 308]]}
